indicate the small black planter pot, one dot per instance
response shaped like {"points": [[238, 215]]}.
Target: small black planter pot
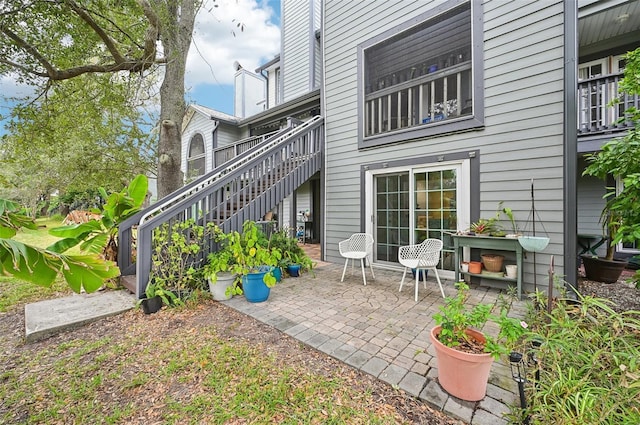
{"points": [[151, 305], [602, 270]]}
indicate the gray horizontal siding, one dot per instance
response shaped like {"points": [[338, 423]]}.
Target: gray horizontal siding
{"points": [[296, 57], [522, 138]]}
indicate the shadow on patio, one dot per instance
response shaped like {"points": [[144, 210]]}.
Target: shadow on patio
{"points": [[381, 331]]}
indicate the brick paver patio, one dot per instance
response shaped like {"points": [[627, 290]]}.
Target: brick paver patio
{"points": [[381, 331]]}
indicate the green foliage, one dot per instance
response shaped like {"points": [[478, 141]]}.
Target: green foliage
{"points": [[221, 261], [177, 257], [619, 158], [589, 365], [86, 133], [455, 317], [251, 252], [41, 266], [168, 297], [101, 236], [485, 226], [291, 251]]}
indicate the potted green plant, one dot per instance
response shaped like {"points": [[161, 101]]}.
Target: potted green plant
{"points": [[297, 263], [484, 226], [156, 295], [465, 354], [618, 158], [254, 261], [294, 259], [217, 270]]}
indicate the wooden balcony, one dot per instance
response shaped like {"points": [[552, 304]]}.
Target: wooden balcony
{"points": [[596, 116]]}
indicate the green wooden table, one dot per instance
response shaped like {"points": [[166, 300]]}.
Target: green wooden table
{"points": [[489, 243]]}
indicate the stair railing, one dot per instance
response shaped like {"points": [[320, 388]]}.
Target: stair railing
{"points": [[245, 188], [127, 231]]}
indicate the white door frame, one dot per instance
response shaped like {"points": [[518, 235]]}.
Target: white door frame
{"points": [[463, 195]]}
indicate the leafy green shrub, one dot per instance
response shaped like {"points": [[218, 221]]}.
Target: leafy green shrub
{"points": [[178, 258], [589, 365]]}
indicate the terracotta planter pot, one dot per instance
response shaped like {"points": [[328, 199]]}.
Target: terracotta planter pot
{"points": [[602, 270], [462, 375], [475, 267]]}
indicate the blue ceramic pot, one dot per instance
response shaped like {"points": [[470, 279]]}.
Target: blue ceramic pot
{"points": [[293, 270], [254, 288], [277, 273], [423, 274]]}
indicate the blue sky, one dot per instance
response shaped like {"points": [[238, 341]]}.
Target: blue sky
{"points": [[217, 44], [210, 71]]}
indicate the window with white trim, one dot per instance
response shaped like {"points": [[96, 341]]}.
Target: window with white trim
{"points": [[196, 157], [421, 77]]}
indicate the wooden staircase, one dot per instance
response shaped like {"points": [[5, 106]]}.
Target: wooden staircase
{"points": [[244, 188]]}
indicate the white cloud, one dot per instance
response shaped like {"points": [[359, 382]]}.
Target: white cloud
{"points": [[11, 87], [215, 47]]}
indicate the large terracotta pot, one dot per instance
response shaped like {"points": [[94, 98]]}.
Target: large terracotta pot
{"points": [[462, 375]]}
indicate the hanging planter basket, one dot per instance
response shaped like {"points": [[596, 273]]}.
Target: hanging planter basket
{"points": [[533, 243]]}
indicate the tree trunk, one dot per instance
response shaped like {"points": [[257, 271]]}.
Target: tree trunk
{"points": [[176, 39]]}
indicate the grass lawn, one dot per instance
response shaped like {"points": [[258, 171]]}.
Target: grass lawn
{"points": [[136, 369]]}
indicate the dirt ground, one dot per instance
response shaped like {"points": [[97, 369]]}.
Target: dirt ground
{"points": [[229, 324]]}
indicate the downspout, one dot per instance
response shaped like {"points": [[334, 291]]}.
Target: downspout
{"points": [[570, 146], [266, 97]]}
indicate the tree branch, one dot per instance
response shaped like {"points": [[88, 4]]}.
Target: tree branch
{"points": [[108, 41], [30, 49], [153, 32]]}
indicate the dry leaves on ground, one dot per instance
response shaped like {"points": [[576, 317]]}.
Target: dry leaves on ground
{"points": [[181, 324]]}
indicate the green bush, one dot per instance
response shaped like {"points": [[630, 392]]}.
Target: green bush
{"points": [[589, 365]]}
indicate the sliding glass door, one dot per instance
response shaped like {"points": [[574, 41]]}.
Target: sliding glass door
{"points": [[416, 203]]}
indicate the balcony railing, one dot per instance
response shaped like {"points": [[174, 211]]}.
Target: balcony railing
{"points": [[595, 114], [227, 153], [424, 100]]}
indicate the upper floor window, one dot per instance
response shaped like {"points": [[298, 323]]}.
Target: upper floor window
{"points": [[419, 79], [196, 158]]}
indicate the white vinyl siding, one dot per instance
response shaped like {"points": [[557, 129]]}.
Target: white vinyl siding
{"points": [[523, 109], [199, 124], [300, 21]]}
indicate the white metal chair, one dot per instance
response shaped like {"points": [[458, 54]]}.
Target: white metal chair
{"points": [[424, 256], [358, 247]]}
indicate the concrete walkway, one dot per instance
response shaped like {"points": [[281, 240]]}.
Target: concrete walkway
{"points": [[46, 318], [382, 332]]}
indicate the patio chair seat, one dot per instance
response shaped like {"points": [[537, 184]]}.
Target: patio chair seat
{"points": [[358, 247], [423, 256]]}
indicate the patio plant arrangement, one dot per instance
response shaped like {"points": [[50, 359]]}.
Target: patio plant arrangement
{"points": [[620, 215], [222, 282], [293, 259], [463, 352], [254, 261]]}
